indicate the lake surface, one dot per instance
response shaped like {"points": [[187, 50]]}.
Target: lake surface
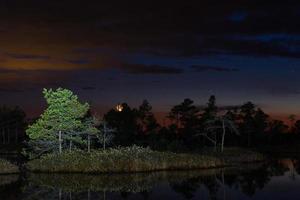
{"points": [[274, 179]]}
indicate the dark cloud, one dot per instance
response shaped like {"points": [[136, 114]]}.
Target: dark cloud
{"points": [[69, 35], [88, 88], [79, 61], [111, 79], [254, 45], [6, 70], [150, 69], [10, 90], [190, 28], [28, 56], [15, 80], [202, 68]]}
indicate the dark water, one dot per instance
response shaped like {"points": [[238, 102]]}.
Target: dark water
{"points": [[276, 179]]}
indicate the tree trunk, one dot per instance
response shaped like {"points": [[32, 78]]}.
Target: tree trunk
{"points": [[16, 135], [215, 144], [3, 135], [60, 141], [104, 136], [223, 135], [248, 139], [70, 147], [59, 194], [89, 144], [224, 188], [8, 135]]}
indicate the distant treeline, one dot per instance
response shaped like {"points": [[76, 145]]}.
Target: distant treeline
{"points": [[188, 122], [187, 125]]}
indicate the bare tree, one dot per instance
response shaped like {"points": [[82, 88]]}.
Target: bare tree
{"points": [[106, 135], [219, 122]]}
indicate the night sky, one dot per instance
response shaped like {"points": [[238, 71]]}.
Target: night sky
{"points": [[126, 51]]}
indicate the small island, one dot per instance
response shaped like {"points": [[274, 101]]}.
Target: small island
{"points": [[61, 141], [149, 100], [137, 159]]}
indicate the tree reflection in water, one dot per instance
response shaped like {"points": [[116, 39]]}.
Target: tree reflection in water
{"points": [[210, 184]]}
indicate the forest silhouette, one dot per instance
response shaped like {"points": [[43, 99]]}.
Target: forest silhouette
{"points": [[184, 131]]}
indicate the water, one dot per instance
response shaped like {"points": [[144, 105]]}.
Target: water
{"points": [[274, 179]]}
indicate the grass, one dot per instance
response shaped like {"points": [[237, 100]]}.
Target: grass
{"points": [[235, 155], [130, 159], [8, 168]]}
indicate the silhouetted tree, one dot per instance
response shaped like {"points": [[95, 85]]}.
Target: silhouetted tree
{"points": [[247, 113], [125, 124], [260, 123], [232, 114], [297, 127], [186, 118], [148, 127], [292, 119], [12, 124], [211, 110], [277, 129], [146, 119]]}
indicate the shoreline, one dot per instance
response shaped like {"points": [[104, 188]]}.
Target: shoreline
{"points": [[126, 182], [127, 160], [236, 165], [7, 168]]}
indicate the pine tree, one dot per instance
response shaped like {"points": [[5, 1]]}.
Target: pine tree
{"points": [[59, 122]]}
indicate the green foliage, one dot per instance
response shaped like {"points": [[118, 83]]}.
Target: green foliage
{"points": [[64, 113]]}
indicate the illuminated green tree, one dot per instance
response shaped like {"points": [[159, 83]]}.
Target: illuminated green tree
{"points": [[62, 121]]}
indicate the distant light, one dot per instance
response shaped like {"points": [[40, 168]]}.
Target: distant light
{"points": [[119, 107]]}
